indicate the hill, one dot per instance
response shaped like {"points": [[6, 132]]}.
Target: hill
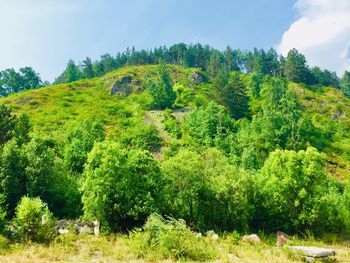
{"points": [[118, 100]]}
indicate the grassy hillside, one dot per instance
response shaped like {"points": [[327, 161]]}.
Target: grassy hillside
{"points": [[57, 108], [118, 101]]}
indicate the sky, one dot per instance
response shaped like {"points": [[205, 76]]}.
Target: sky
{"points": [[45, 34]]}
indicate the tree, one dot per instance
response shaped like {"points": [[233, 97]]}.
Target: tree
{"points": [[210, 126], [80, 142], [296, 195], [161, 90], [31, 79], [7, 124], [206, 190], [120, 188], [88, 71], [230, 91], [34, 221], [345, 84], [13, 181], [72, 72], [296, 69], [22, 129]]}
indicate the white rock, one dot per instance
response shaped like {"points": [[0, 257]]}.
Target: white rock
{"points": [[63, 231], [315, 252], [86, 230], [96, 227]]}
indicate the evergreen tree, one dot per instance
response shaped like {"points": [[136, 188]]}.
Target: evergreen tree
{"points": [[88, 71], [345, 84], [296, 69], [230, 91], [161, 90], [72, 72]]}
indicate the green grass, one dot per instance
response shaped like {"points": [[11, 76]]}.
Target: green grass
{"points": [[118, 248]]}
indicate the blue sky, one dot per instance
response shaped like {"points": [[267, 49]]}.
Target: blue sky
{"points": [[44, 34]]}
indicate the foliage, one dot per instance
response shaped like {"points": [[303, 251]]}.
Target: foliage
{"points": [[120, 188], [230, 91], [7, 123], [210, 126], [206, 190], [295, 194], [12, 81], [170, 239], [296, 69], [161, 91], [345, 84], [34, 221], [80, 142], [13, 180]]}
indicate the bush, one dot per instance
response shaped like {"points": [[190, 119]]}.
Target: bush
{"points": [[33, 221], [170, 239], [121, 188], [295, 194], [4, 243]]}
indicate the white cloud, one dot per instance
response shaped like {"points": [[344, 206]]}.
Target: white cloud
{"points": [[322, 33]]}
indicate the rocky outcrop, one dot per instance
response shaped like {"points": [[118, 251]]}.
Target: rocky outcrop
{"points": [[78, 227]]}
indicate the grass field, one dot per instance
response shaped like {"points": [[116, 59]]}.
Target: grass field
{"points": [[118, 248]]}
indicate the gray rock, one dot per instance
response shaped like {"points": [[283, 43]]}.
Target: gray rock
{"points": [[122, 87], [314, 252]]}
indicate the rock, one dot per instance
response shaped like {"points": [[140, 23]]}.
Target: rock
{"points": [[253, 239], [197, 78], [232, 257], [122, 87], [96, 227], [215, 237], [85, 230], [212, 234], [313, 252], [281, 239], [198, 234], [63, 231]]}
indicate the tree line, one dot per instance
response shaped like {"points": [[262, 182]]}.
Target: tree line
{"points": [[294, 66]]}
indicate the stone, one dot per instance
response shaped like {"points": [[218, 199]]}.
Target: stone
{"points": [[253, 239], [281, 239], [85, 230], [63, 231], [96, 227], [313, 252], [232, 257], [215, 237]]}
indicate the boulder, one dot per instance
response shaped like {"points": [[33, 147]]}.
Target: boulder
{"points": [[85, 230], [312, 253], [63, 231], [281, 239], [253, 239]]}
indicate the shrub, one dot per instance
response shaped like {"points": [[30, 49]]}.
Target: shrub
{"points": [[295, 194], [170, 239], [4, 243], [121, 188], [33, 221]]}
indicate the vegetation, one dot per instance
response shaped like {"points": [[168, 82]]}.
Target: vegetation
{"points": [[233, 142]]}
